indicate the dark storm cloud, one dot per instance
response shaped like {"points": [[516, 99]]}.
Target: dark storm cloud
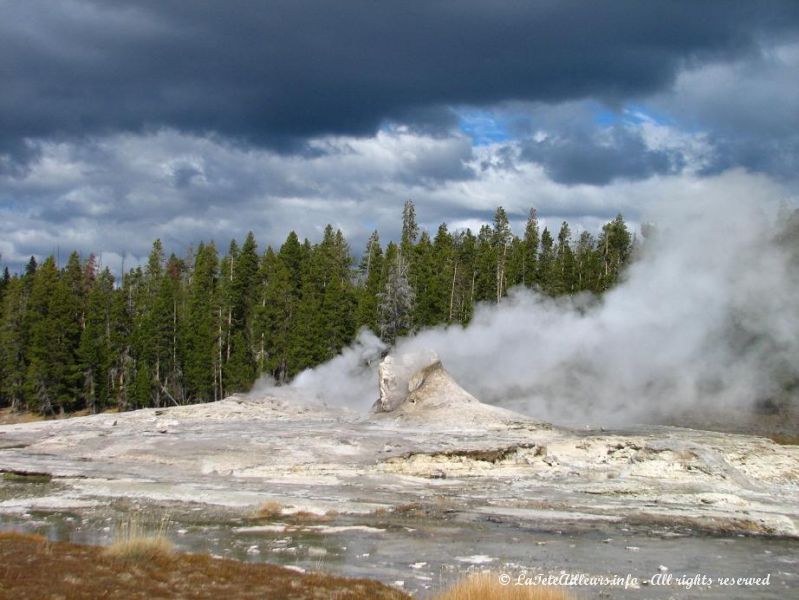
{"points": [[778, 157], [749, 108], [620, 153], [279, 72]]}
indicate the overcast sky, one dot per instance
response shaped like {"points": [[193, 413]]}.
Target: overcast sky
{"points": [[121, 121]]}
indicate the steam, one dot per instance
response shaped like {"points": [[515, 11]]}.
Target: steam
{"points": [[349, 379], [707, 317]]}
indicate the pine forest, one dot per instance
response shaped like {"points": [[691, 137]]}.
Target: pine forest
{"points": [[198, 328]]}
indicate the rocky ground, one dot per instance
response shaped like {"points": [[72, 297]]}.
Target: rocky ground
{"points": [[437, 452]]}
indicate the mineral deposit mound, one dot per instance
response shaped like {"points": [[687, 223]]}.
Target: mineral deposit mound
{"points": [[417, 388]]}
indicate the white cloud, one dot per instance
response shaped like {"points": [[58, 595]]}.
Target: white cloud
{"points": [[113, 196]]}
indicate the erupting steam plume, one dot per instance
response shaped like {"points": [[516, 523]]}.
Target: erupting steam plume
{"points": [[706, 317]]}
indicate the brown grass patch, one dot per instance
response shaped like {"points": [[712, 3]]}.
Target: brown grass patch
{"points": [[269, 510], [486, 586], [272, 510], [302, 517], [34, 538], [76, 571], [409, 508]]}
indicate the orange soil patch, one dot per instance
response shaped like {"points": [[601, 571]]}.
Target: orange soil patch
{"points": [[34, 568]]}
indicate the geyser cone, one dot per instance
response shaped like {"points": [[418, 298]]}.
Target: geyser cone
{"points": [[417, 387]]}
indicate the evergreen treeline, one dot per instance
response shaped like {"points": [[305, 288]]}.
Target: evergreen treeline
{"points": [[198, 329]]}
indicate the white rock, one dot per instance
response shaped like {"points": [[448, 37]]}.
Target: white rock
{"points": [[477, 559], [396, 378], [417, 387], [294, 568]]}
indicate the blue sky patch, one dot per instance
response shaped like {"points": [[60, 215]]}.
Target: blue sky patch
{"points": [[485, 127]]}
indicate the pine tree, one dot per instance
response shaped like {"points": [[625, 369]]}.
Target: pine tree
{"points": [[225, 311], [4, 282], [465, 279], [501, 238], [41, 380], [264, 318], [275, 314], [123, 363], [239, 368], [307, 346], [614, 247], [397, 298], [326, 310], [293, 256], [68, 312], [586, 264], [30, 269], [154, 330], [200, 331], [90, 272], [13, 343], [514, 267], [283, 295], [564, 263], [410, 229], [95, 351], [339, 298], [422, 281], [545, 276], [369, 283], [485, 282], [443, 278], [530, 250], [168, 375], [142, 385]]}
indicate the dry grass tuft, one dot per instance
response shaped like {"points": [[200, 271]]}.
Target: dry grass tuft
{"points": [[142, 549], [134, 543], [486, 586], [304, 517], [404, 509], [18, 535], [269, 510]]}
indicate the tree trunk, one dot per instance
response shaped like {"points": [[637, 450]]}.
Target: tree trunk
{"points": [[452, 292], [158, 380]]}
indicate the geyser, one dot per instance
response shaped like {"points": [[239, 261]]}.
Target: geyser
{"points": [[706, 317]]}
